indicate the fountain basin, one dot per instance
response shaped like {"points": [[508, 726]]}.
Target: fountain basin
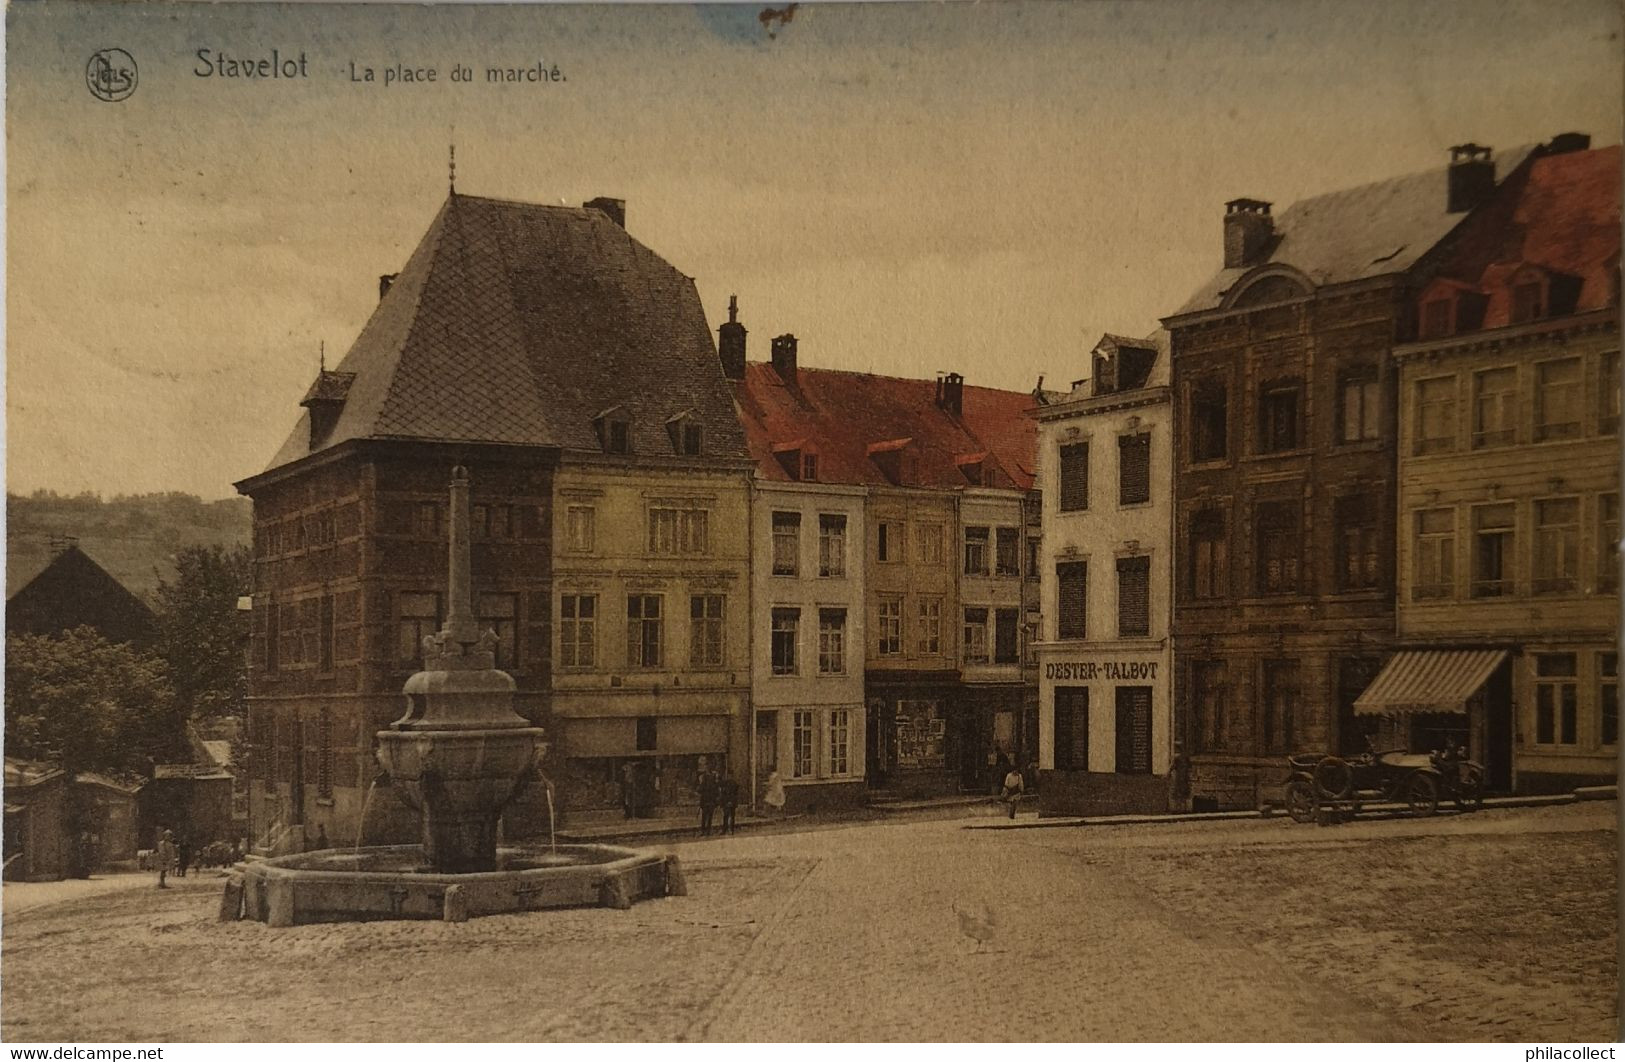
{"points": [[395, 882]]}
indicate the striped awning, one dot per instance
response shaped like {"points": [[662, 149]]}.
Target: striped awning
{"points": [[1429, 680]]}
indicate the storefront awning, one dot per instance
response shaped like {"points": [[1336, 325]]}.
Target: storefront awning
{"points": [[1429, 680]]}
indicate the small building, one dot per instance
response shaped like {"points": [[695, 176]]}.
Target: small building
{"points": [[1106, 657], [57, 826], [194, 800], [74, 591]]}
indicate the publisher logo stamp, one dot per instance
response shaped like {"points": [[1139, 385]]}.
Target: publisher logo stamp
{"points": [[111, 74]]}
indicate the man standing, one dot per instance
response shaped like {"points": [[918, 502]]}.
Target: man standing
{"points": [[708, 800], [728, 791], [166, 856], [1013, 788]]}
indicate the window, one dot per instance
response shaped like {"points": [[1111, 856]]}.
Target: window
{"points": [[679, 531], [647, 736], [1278, 416], [976, 551], [1278, 547], [1557, 692], [831, 545], [426, 520], [310, 630], [1071, 728], [1495, 398], [1034, 548], [1526, 301], [705, 630], [889, 613], [492, 521], [1492, 550], [809, 467], [500, 613], [1133, 730], [1559, 387], [1006, 554], [832, 641], [1210, 555], [1006, 640], [1607, 543], [929, 537], [579, 523], [324, 753], [1134, 469], [618, 437], [1435, 575], [786, 633], [1557, 546], [930, 640], [786, 543], [578, 637], [1210, 421], [273, 638], [326, 636], [1280, 698], [975, 640], [801, 744], [419, 618], [1209, 696], [1608, 696], [1072, 604], [687, 437], [888, 543], [643, 630], [1359, 409], [1436, 415], [1074, 477], [1608, 394], [840, 741], [1134, 597], [1359, 565]]}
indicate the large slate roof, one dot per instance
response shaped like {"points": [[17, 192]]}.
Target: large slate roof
{"points": [[518, 323], [75, 591]]}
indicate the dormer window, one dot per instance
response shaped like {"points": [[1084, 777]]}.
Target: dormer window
{"points": [[1528, 300], [614, 429], [973, 467], [799, 461], [687, 437], [888, 457], [809, 467]]}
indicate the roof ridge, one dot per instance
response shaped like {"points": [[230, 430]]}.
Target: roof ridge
{"points": [[888, 376]]}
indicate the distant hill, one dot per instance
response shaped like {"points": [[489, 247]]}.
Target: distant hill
{"points": [[133, 536]]}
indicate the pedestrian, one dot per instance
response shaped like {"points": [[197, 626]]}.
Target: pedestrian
{"points": [[166, 856], [773, 793], [1013, 788], [728, 793], [184, 856], [321, 837], [629, 788], [708, 800]]}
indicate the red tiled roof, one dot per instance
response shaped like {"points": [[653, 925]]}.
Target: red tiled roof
{"points": [[849, 417]]}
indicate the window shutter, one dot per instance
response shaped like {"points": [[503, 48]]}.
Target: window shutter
{"points": [[1134, 597], [1073, 580], [1134, 469], [1075, 476], [1133, 729]]}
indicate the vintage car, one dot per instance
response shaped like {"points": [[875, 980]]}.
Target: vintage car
{"points": [[1416, 779]]}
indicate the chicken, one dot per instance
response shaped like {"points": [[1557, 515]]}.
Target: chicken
{"points": [[977, 921]]}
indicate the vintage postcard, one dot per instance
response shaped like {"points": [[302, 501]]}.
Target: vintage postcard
{"points": [[812, 522]]}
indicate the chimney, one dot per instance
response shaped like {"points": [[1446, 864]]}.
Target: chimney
{"points": [[951, 392], [731, 343], [615, 209], [1248, 232], [784, 357], [1472, 177], [384, 283]]}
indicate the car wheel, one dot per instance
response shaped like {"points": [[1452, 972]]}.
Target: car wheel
{"points": [[1300, 800], [1422, 793], [1469, 795]]}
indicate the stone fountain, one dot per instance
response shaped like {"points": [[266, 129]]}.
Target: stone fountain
{"points": [[458, 757]]}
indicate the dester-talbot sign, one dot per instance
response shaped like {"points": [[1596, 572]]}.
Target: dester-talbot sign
{"points": [[1093, 670]]}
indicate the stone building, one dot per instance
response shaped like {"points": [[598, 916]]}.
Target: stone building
{"points": [[1284, 405], [1105, 657], [1508, 574], [532, 344]]}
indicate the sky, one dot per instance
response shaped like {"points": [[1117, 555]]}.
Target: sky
{"points": [[982, 188]]}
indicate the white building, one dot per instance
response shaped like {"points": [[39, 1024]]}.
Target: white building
{"points": [[1106, 557]]}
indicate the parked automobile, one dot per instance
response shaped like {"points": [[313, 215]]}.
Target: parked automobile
{"points": [[1418, 780]]}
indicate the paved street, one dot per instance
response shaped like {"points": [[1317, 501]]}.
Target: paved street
{"points": [[1498, 925]]}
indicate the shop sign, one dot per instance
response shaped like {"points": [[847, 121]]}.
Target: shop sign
{"points": [[1095, 670]]}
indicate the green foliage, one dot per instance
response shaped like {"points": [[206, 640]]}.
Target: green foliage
{"points": [[90, 704], [201, 634]]}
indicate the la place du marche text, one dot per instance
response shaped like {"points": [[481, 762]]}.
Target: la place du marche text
{"points": [[279, 66]]}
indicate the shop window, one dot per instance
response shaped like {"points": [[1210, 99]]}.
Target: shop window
{"points": [[785, 635], [1279, 547], [1006, 637], [705, 627], [831, 545], [1134, 597], [1557, 546], [930, 640], [975, 639], [1071, 728], [1280, 705], [578, 636], [889, 613], [1134, 469], [1279, 426], [1072, 608], [1209, 700], [1608, 696], [418, 617], [1493, 550], [1557, 690], [1210, 555], [1359, 564], [1007, 547], [1360, 410], [1210, 421], [1435, 555], [832, 641], [1133, 730], [976, 540], [499, 613], [1074, 477], [1435, 415], [644, 631], [1559, 399], [786, 543], [1495, 407]]}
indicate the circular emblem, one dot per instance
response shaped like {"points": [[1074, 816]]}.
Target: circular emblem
{"points": [[111, 74]]}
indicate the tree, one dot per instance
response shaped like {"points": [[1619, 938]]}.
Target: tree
{"points": [[89, 704], [200, 632]]}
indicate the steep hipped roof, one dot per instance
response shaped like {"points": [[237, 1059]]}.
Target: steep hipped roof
{"points": [[1368, 231], [75, 591], [517, 323], [843, 416]]}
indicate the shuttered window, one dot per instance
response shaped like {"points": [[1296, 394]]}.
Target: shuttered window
{"points": [[1071, 728], [1134, 469], [1006, 647], [1072, 608], [1134, 730], [1134, 597], [1074, 477]]}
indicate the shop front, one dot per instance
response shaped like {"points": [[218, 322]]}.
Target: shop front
{"points": [[920, 736], [1105, 730], [1427, 700], [634, 764]]}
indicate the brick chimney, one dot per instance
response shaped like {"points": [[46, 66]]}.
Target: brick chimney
{"points": [[614, 209], [951, 392], [784, 357], [1472, 177], [731, 343], [384, 283], [1248, 232]]}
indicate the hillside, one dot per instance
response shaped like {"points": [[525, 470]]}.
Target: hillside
{"points": [[133, 536]]}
